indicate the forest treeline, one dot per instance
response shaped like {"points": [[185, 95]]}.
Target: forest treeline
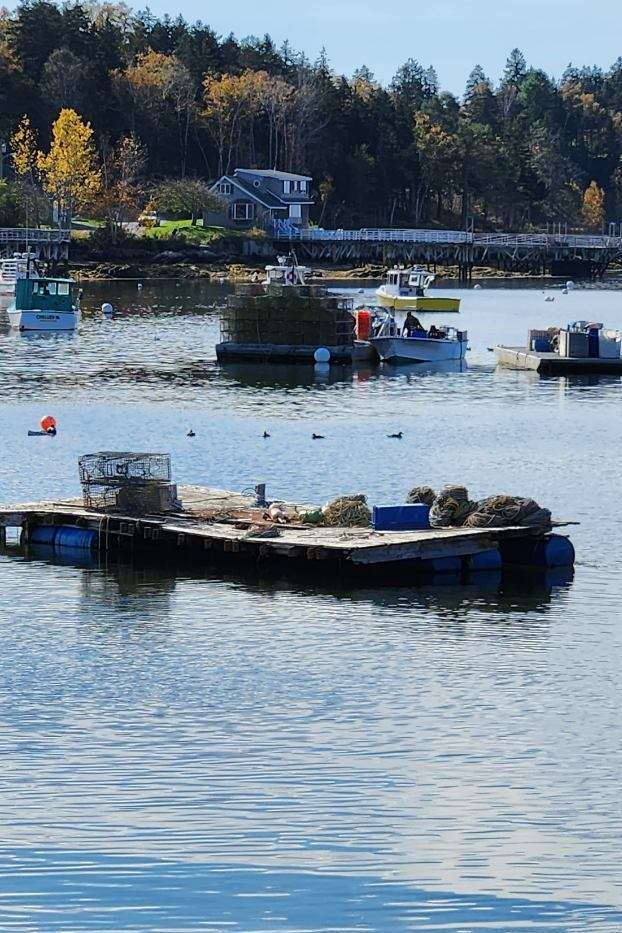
{"points": [[516, 153]]}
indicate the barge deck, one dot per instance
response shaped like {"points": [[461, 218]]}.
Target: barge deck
{"points": [[552, 364], [219, 524]]}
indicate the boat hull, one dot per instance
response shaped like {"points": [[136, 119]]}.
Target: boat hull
{"points": [[418, 349], [414, 303], [43, 320]]}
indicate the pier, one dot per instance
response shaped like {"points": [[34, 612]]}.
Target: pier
{"points": [[533, 253], [47, 244], [219, 525], [552, 364]]}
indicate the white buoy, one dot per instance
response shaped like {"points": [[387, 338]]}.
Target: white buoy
{"points": [[476, 286], [140, 285], [564, 291], [570, 284], [322, 355], [107, 308]]}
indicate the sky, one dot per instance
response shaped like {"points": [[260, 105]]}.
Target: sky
{"points": [[452, 35]]}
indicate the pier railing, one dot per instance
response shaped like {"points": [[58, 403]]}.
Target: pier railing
{"points": [[33, 235], [285, 231]]}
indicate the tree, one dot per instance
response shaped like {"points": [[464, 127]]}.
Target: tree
{"points": [[594, 207], [121, 190], [63, 79], [158, 84], [71, 174], [187, 197], [24, 149]]}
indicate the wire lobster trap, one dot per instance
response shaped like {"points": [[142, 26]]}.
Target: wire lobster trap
{"points": [[113, 480], [121, 468]]}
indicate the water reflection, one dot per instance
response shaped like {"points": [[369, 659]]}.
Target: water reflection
{"points": [[116, 576]]}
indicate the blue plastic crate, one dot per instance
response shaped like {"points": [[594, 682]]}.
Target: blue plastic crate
{"points": [[401, 517]]}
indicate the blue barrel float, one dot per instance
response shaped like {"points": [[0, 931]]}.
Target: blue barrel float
{"points": [[64, 536], [550, 552]]}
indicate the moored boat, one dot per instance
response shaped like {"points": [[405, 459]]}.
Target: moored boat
{"points": [[404, 289], [43, 304], [434, 345]]}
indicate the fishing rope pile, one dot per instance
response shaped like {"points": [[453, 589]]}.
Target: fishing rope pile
{"points": [[497, 511], [421, 495], [452, 507], [347, 512]]}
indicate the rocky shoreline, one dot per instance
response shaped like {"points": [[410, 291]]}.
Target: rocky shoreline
{"points": [[224, 271]]}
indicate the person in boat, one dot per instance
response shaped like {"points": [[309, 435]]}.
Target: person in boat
{"points": [[434, 333], [411, 325]]}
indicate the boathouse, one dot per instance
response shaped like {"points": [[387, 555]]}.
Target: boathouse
{"points": [[260, 197]]}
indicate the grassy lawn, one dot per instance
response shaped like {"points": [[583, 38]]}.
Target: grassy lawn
{"points": [[183, 229]]}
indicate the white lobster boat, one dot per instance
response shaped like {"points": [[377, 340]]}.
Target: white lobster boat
{"points": [[287, 272], [404, 289], [44, 304], [447, 343]]}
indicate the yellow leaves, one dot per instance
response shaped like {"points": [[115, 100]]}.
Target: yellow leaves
{"points": [[227, 93], [594, 207], [70, 170], [24, 148]]}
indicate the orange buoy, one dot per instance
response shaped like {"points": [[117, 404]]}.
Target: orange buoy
{"points": [[48, 423]]}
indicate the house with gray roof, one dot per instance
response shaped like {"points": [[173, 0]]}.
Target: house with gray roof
{"points": [[257, 197]]}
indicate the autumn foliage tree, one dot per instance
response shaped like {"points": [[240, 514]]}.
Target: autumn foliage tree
{"points": [[70, 170], [594, 207]]}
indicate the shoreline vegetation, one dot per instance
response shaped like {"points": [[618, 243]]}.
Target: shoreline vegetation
{"points": [[122, 115]]}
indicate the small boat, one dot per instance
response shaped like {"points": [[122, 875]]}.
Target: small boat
{"points": [[287, 272], [43, 304], [404, 289], [421, 346]]}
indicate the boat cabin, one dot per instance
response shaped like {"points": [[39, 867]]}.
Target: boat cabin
{"points": [[406, 280], [43, 294], [288, 272]]}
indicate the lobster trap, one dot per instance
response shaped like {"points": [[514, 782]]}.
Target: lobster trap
{"points": [[125, 481]]}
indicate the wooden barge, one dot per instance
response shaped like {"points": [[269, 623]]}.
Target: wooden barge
{"points": [[218, 525], [552, 364]]}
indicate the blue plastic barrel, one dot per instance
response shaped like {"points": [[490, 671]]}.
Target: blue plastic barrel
{"points": [[443, 565], [485, 560], [43, 534], [550, 551], [80, 538]]}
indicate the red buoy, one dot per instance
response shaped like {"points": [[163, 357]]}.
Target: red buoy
{"points": [[48, 423]]}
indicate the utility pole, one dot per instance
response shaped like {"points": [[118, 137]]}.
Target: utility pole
{"points": [[2, 155]]}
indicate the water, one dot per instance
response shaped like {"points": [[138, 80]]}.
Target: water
{"points": [[186, 750]]}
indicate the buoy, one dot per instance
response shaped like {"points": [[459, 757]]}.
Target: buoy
{"points": [[570, 285], [476, 286], [564, 291], [322, 355], [107, 308], [140, 285], [48, 424]]}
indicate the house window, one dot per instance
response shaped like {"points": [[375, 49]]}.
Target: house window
{"points": [[295, 212], [224, 187], [243, 210], [287, 186]]}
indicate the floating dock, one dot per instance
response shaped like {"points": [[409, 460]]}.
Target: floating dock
{"points": [[359, 351], [551, 364], [221, 525]]}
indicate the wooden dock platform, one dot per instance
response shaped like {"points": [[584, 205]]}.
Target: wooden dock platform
{"points": [[218, 524], [552, 364]]}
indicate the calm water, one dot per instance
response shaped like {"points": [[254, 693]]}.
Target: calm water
{"points": [[183, 750]]}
